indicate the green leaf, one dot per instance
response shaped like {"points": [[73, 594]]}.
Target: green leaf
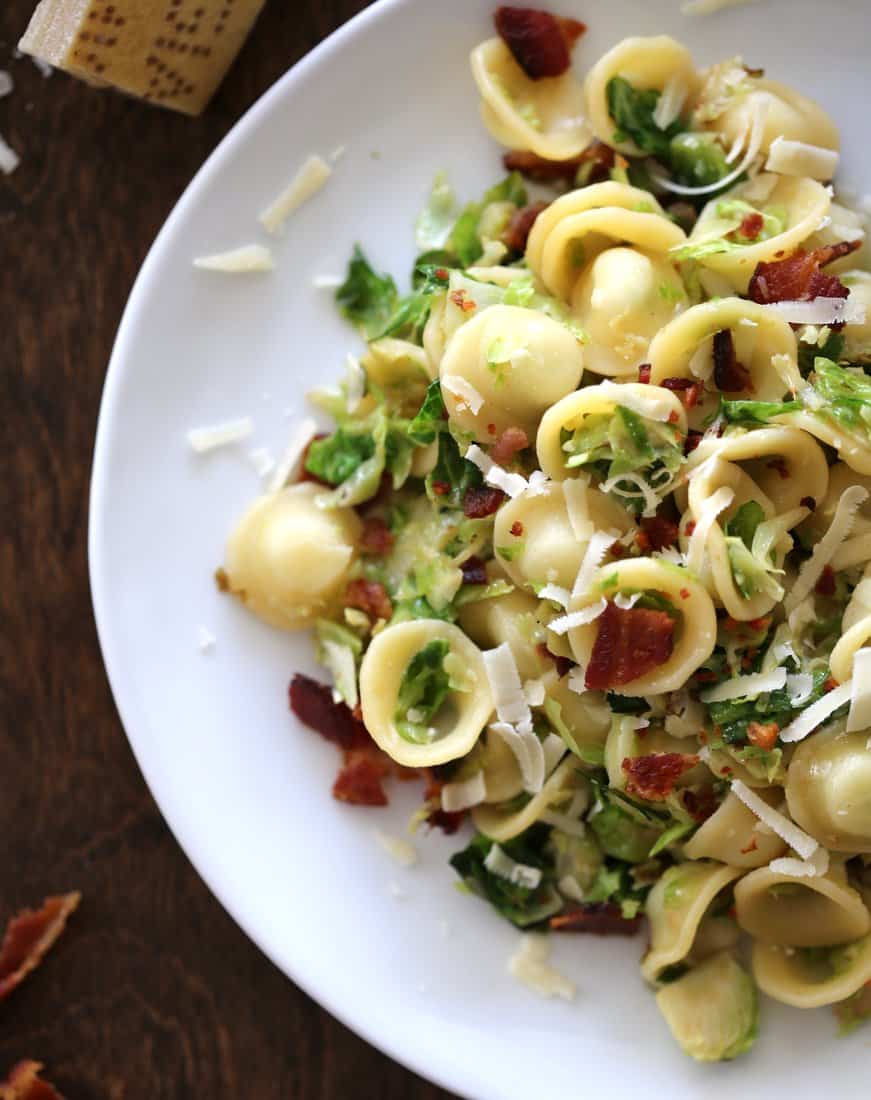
{"points": [[511, 189], [434, 222], [452, 475], [697, 250], [846, 392], [674, 833], [744, 522], [632, 111], [432, 417], [337, 457], [422, 691], [832, 348], [756, 412], [464, 239], [366, 298]]}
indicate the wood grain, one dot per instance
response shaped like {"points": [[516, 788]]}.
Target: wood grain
{"points": [[153, 992]]}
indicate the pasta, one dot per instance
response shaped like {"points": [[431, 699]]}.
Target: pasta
{"points": [[588, 547]]}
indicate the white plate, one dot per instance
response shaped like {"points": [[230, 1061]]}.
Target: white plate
{"points": [[245, 789]]}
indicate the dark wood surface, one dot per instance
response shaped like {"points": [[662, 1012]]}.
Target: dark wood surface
{"points": [[153, 992]]}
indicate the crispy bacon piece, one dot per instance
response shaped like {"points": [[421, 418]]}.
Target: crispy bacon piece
{"points": [[700, 803], [658, 532], [522, 221], [653, 777], [369, 596], [28, 937], [563, 664], [377, 538], [437, 818], [825, 586], [763, 734], [517, 528], [730, 376], [24, 1083], [692, 441], [798, 278], [534, 167], [360, 779], [602, 918], [474, 570], [313, 705], [540, 42], [481, 502], [751, 226], [509, 443], [629, 643]]}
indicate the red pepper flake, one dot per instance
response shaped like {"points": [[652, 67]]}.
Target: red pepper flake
{"points": [[540, 42], [798, 278], [673, 417], [690, 527], [29, 936], [369, 596], [644, 373], [601, 918], [360, 780], [684, 593], [830, 684], [443, 274], [24, 1083], [705, 676], [751, 226], [780, 465], [730, 376], [520, 226], [314, 706], [692, 441], [597, 155], [825, 586], [751, 847], [509, 443], [653, 777], [491, 429], [441, 488], [630, 642], [482, 501], [762, 623], [474, 571], [808, 502], [462, 301], [517, 528], [763, 735], [376, 539], [659, 531]]}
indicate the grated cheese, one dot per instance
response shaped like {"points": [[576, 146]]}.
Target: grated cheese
{"points": [[470, 398], [288, 466], [205, 639], [308, 181], [530, 965], [238, 261], [9, 159], [210, 438], [859, 717], [538, 483], [597, 547], [742, 687], [397, 848], [576, 680], [499, 863], [799, 688], [816, 714], [578, 618], [327, 282], [464, 794], [533, 692], [555, 593], [651, 406], [670, 102], [820, 311], [796, 838], [754, 144], [798, 158], [499, 478], [527, 751], [262, 461], [505, 685], [818, 864], [708, 513], [839, 530]]}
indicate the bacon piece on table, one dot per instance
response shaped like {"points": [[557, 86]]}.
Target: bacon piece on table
{"points": [[29, 935], [629, 643]]}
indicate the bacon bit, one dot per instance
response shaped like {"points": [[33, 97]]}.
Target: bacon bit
{"points": [[304, 474], [491, 429], [441, 488], [659, 532], [541, 43], [517, 528], [780, 465], [509, 443], [360, 780], [700, 804], [522, 221], [313, 705], [481, 502], [730, 376], [28, 937], [629, 643], [536, 168], [808, 502], [798, 278], [692, 441], [684, 593], [825, 586], [677, 384], [474, 571], [24, 1083], [653, 777], [461, 301], [751, 226], [563, 664], [369, 596], [644, 373], [763, 735], [377, 538], [673, 417], [617, 552], [751, 847], [222, 580], [830, 684], [437, 818], [601, 918]]}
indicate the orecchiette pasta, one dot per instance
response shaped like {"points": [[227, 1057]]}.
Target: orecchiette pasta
{"points": [[502, 824], [811, 979], [514, 618], [735, 836], [457, 723], [828, 788], [288, 559], [857, 336], [545, 116]]}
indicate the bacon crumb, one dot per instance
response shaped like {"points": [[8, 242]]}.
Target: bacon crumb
{"points": [[369, 596], [598, 155], [701, 803], [684, 593], [601, 918], [314, 706], [540, 42], [763, 735], [830, 684], [644, 373], [798, 278], [480, 502], [24, 1083], [630, 642], [377, 538], [517, 528], [509, 443], [730, 376], [825, 586], [29, 936], [692, 441], [751, 226], [653, 777], [659, 532], [491, 429], [673, 417], [360, 780], [474, 571], [522, 221]]}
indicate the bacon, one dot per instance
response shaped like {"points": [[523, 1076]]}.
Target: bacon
{"points": [[601, 918], [24, 1083], [692, 441], [700, 804], [798, 278], [478, 503], [599, 156], [763, 734], [313, 705], [522, 221], [369, 596], [509, 443], [629, 643], [653, 777], [825, 586], [360, 780], [437, 818], [29, 936], [751, 226], [563, 664], [474, 570], [730, 376], [689, 391], [540, 42], [517, 528], [644, 373], [658, 532], [377, 538]]}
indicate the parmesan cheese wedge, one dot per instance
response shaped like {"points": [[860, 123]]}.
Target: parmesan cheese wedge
{"points": [[173, 53]]}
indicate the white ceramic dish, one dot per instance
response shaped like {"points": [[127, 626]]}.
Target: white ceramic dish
{"points": [[245, 789]]}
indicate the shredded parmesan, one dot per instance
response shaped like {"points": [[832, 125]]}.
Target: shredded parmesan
{"points": [[327, 282], [499, 478], [464, 794], [505, 685], [262, 461], [798, 158], [860, 695], [652, 406], [499, 863], [527, 750], [220, 435], [308, 181], [238, 261], [671, 101], [796, 838], [205, 640], [839, 529], [745, 687], [818, 864], [820, 311], [397, 848], [555, 593], [576, 680], [533, 692], [754, 144], [578, 618], [530, 966], [9, 159], [597, 547], [799, 688], [708, 513], [538, 483], [469, 397], [625, 602], [816, 714], [288, 466]]}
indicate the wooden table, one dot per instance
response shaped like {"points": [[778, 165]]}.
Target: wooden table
{"points": [[153, 992]]}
